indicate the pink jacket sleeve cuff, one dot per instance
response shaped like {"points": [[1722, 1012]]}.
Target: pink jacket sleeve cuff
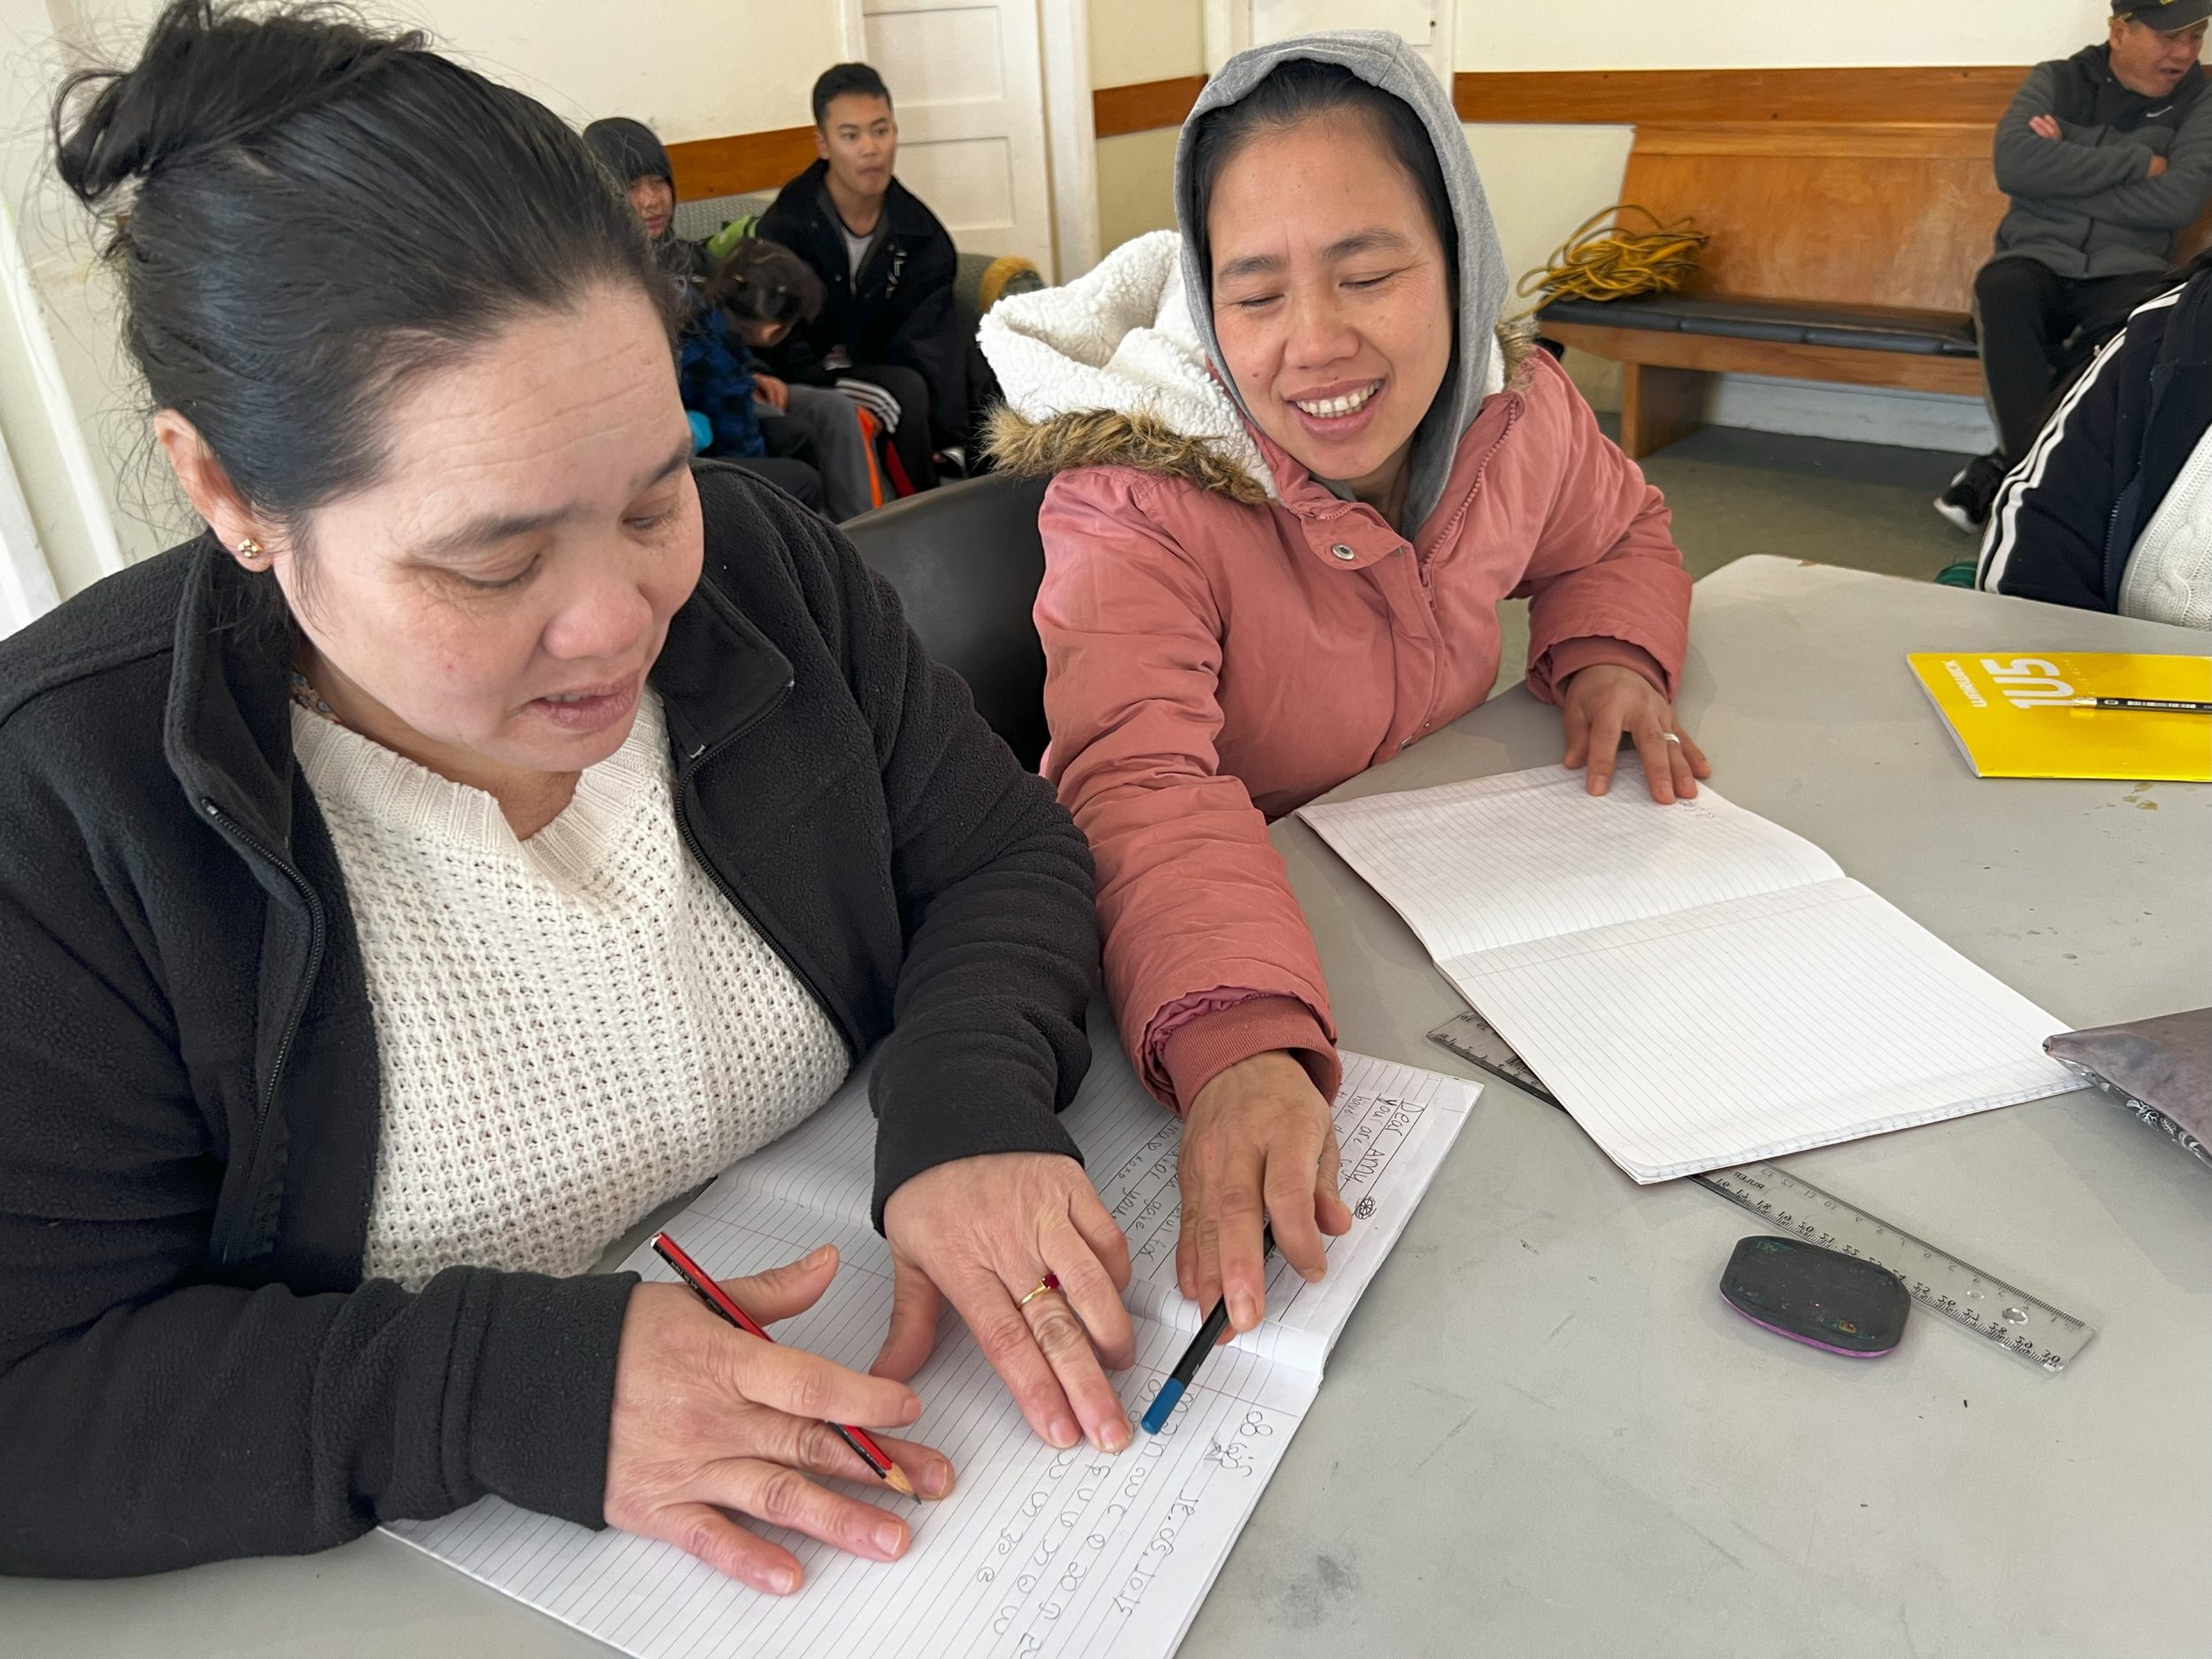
{"points": [[1193, 1051], [1570, 657]]}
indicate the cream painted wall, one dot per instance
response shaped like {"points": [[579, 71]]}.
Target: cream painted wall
{"points": [[1136, 185], [1748, 34], [687, 68], [1536, 177], [1134, 41]]}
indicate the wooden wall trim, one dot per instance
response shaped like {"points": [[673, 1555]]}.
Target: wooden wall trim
{"points": [[1144, 105], [1960, 94], [742, 163], [1956, 94]]}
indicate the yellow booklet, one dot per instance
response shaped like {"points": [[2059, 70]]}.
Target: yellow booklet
{"points": [[2012, 717]]}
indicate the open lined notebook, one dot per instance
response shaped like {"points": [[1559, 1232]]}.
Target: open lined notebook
{"points": [[1037, 1551], [1699, 987]]}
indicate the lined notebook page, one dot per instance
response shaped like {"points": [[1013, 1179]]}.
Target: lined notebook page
{"points": [[1037, 1551], [1760, 1026], [1394, 1125], [1526, 854], [1700, 988]]}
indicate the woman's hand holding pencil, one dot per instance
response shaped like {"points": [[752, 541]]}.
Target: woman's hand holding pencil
{"points": [[710, 1421]]}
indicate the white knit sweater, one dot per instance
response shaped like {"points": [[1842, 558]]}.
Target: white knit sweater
{"points": [[2168, 577], [570, 1030]]}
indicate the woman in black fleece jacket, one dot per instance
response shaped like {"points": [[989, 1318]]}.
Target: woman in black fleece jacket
{"points": [[192, 1363]]}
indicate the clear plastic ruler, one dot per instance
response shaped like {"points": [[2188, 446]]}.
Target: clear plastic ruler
{"points": [[1991, 1307]]}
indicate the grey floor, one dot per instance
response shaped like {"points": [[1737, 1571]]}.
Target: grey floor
{"points": [[1736, 493]]}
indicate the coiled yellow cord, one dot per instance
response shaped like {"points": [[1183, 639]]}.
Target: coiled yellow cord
{"points": [[1616, 263]]}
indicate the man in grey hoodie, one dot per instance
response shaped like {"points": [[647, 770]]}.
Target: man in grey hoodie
{"points": [[2106, 155]]}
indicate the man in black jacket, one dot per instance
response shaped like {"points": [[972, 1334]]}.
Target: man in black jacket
{"points": [[2106, 155], [887, 325]]}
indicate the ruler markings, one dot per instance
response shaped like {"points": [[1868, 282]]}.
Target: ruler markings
{"points": [[2001, 1313]]}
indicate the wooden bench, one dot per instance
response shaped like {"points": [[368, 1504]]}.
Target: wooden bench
{"points": [[1875, 232], [1842, 252]]}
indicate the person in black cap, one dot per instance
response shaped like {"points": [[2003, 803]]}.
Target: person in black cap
{"points": [[2106, 155]]}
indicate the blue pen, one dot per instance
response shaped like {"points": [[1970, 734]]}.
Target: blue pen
{"points": [[1195, 1356]]}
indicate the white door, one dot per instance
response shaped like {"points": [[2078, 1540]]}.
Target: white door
{"points": [[967, 83], [1423, 25]]}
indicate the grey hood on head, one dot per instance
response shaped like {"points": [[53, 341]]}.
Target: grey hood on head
{"points": [[1383, 61]]}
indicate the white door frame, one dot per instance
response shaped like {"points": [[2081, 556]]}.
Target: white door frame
{"points": [[852, 34], [29, 584], [1063, 28], [1226, 28], [1071, 139]]}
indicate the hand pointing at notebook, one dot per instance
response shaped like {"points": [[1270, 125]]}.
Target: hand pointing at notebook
{"points": [[1020, 1243], [1259, 1148]]}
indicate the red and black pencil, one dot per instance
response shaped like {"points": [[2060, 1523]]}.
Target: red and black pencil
{"points": [[702, 1285]]}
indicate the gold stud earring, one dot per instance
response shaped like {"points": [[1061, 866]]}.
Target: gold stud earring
{"points": [[249, 549]]}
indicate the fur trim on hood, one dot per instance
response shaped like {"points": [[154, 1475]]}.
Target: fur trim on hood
{"points": [[1111, 437], [1109, 372]]}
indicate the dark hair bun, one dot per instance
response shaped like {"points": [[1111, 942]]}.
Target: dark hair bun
{"points": [[319, 210], [209, 76]]}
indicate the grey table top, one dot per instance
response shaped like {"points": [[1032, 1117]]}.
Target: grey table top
{"points": [[1543, 1433]]}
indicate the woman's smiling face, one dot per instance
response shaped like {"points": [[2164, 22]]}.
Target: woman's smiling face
{"points": [[1332, 296]]}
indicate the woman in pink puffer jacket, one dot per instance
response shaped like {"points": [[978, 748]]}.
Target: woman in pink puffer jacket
{"points": [[1298, 466]]}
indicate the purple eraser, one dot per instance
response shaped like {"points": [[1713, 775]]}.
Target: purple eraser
{"points": [[1817, 1296]]}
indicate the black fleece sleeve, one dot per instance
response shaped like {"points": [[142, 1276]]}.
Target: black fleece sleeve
{"points": [[926, 338], [150, 1419], [995, 888]]}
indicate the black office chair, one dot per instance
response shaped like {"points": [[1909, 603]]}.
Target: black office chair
{"points": [[966, 562]]}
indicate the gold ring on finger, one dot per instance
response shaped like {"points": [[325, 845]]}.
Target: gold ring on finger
{"points": [[1050, 1281], [1670, 737]]}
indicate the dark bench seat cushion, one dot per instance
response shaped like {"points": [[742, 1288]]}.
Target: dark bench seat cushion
{"points": [[1867, 328]]}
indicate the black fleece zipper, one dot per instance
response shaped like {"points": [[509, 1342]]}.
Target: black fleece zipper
{"points": [[225, 1244]]}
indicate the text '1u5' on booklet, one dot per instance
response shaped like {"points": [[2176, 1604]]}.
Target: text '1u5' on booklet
{"points": [[2016, 715]]}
